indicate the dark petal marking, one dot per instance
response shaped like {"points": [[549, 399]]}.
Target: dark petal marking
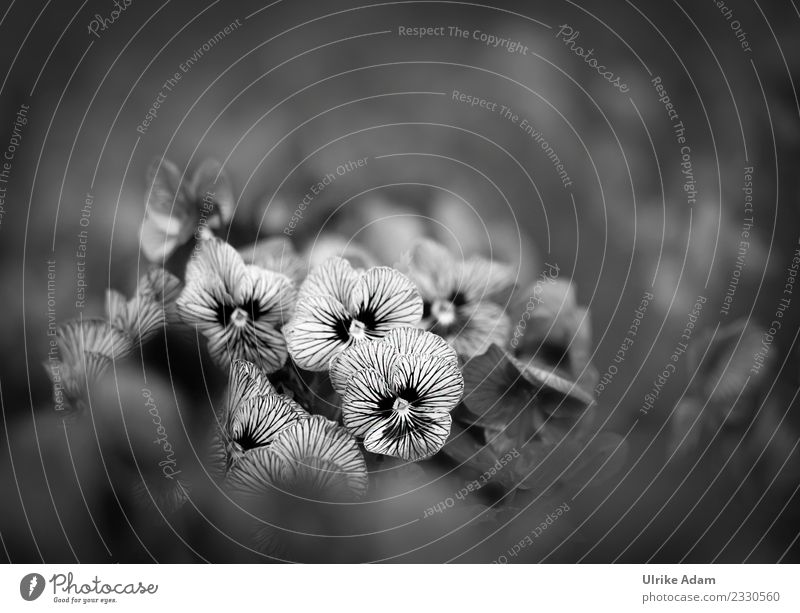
{"points": [[314, 335], [365, 402], [245, 381], [384, 299], [270, 296], [437, 384], [258, 421], [411, 435]]}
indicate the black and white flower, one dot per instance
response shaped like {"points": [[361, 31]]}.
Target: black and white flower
{"points": [[240, 309], [339, 306], [312, 459], [398, 392], [86, 347], [254, 414], [456, 296]]}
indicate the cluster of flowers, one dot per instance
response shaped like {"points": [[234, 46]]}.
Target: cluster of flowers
{"points": [[413, 356]]}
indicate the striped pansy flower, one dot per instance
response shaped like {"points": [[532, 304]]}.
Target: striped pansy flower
{"points": [[253, 417], [456, 297], [314, 459], [339, 306], [398, 392], [239, 308], [143, 315], [86, 348]]}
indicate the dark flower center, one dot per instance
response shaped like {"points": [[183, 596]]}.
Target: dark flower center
{"points": [[403, 401], [355, 327], [246, 441], [238, 315], [444, 313]]}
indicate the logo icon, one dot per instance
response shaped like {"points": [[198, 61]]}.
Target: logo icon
{"points": [[31, 586]]}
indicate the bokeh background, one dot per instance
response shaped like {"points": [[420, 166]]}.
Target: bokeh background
{"points": [[297, 89]]}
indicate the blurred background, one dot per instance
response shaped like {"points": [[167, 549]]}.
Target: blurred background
{"points": [[292, 91]]}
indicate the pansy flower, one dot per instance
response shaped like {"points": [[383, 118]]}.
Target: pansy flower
{"points": [[254, 414], [176, 209], [314, 458], [456, 296], [143, 315], [399, 391], [87, 347], [239, 308], [339, 306]]}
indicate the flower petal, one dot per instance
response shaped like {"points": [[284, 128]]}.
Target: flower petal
{"points": [[200, 303], [363, 405], [432, 268], [270, 294], [481, 278], [321, 458], [485, 323], [412, 435], [216, 261], [375, 355], [436, 383], [317, 332], [255, 472], [257, 421], [245, 382], [255, 342], [140, 318], [334, 277], [217, 455], [384, 299], [418, 341], [78, 337]]}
